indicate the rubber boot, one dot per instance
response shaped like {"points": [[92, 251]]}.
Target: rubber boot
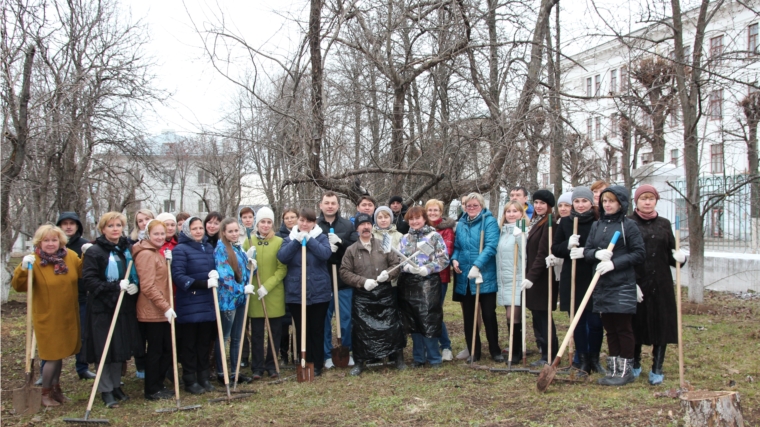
{"points": [[584, 363], [48, 399], [517, 345], [596, 366], [637, 360], [623, 372], [658, 354], [203, 380], [191, 384], [610, 372], [357, 369], [58, 395], [400, 365]]}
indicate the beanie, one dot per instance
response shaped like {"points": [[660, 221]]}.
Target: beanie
{"points": [[545, 196]]}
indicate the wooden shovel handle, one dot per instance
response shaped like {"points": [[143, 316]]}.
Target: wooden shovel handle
{"points": [[337, 298], [174, 337], [29, 296], [303, 304]]}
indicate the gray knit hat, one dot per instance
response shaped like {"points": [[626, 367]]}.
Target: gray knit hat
{"points": [[385, 209], [566, 198], [583, 193]]}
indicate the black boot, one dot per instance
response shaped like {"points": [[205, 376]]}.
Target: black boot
{"points": [[517, 345], [203, 380], [610, 372], [584, 363], [596, 366], [357, 369], [623, 372], [191, 384], [658, 354], [400, 365]]}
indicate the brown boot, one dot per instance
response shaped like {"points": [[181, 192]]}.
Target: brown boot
{"points": [[47, 398], [58, 395]]}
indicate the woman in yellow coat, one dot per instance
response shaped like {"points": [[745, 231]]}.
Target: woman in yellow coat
{"points": [[55, 304]]}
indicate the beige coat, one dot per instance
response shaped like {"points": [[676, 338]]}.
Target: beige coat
{"points": [[153, 300], [55, 306], [359, 264]]}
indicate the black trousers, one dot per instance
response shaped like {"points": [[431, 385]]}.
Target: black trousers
{"points": [[315, 331], [259, 362], [195, 343], [487, 304], [140, 361], [620, 338], [540, 324], [159, 356]]}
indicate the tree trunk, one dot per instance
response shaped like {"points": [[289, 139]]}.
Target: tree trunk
{"points": [[317, 112], [712, 409], [556, 137]]}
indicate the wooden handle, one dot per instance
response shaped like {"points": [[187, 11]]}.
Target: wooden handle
{"points": [[29, 319], [512, 306], [303, 304], [242, 331], [268, 327], [174, 338], [336, 296], [678, 304], [220, 332], [524, 298], [107, 346], [477, 303], [550, 299], [572, 288]]}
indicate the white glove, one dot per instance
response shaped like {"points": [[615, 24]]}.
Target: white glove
{"points": [[303, 235], [334, 239], [605, 267], [248, 289], [574, 241], [168, 255], [517, 232], [526, 284], [123, 284], [28, 259], [409, 268], [679, 256], [423, 271], [479, 279], [251, 252], [132, 289], [333, 248], [603, 255], [170, 314], [639, 294], [85, 247], [213, 274], [576, 253], [252, 264], [474, 271], [383, 277], [551, 260], [262, 292], [370, 284], [213, 283]]}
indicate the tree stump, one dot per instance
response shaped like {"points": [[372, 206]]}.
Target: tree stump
{"points": [[712, 408]]}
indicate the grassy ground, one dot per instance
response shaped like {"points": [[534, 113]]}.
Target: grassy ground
{"points": [[722, 340]]}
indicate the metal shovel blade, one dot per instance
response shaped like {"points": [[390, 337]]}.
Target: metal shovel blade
{"points": [[305, 374], [340, 356], [27, 399], [425, 248]]}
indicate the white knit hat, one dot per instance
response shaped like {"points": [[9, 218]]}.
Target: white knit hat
{"points": [[166, 216], [263, 213]]}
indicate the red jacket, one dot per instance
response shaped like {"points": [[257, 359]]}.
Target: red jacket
{"points": [[445, 227]]}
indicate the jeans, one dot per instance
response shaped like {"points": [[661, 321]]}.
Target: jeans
{"points": [[232, 326], [444, 340], [346, 299], [425, 349]]}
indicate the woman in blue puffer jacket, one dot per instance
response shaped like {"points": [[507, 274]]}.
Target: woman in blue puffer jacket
{"points": [[194, 274], [471, 264], [318, 283]]}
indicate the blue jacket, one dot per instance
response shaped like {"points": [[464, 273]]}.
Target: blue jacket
{"points": [[191, 263], [318, 282], [231, 293], [466, 252]]}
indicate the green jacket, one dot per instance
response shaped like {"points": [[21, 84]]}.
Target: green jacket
{"points": [[271, 272]]}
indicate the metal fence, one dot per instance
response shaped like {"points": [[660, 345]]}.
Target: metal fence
{"points": [[728, 224]]}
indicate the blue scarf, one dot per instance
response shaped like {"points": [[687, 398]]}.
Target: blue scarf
{"points": [[112, 271]]}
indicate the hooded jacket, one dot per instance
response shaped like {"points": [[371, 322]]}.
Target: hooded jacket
{"points": [[616, 291], [231, 292], [445, 227], [153, 299], [75, 244], [318, 282], [506, 268], [467, 251], [345, 230], [283, 232], [191, 263], [398, 220]]}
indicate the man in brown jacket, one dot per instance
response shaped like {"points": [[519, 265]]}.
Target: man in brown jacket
{"points": [[377, 330]]}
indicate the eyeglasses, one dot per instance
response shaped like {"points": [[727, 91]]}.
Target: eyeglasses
{"points": [[472, 206]]}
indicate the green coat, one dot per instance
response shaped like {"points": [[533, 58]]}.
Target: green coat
{"points": [[271, 273]]}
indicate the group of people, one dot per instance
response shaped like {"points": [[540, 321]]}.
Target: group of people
{"points": [[391, 266]]}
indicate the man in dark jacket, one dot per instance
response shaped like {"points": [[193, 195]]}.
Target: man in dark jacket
{"points": [[399, 210], [71, 225], [341, 234]]}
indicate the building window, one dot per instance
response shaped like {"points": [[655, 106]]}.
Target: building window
{"points": [[169, 206], [588, 87], [647, 158], [623, 78], [674, 157], [598, 123], [615, 169], [716, 158], [545, 180], [201, 206], [597, 85], [588, 128], [204, 177], [716, 104], [613, 81], [716, 49], [752, 39], [674, 117], [614, 124]]}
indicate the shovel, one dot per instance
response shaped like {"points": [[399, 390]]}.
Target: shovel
{"points": [[572, 292], [102, 363], [223, 354], [478, 281], [174, 352], [242, 332], [340, 356], [549, 371], [523, 299], [512, 307], [549, 299], [678, 304], [27, 399], [304, 371], [422, 248], [269, 330]]}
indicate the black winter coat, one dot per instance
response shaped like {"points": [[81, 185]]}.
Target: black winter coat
{"points": [[398, 220], [101, 302], [283, 231], [584, 271], [536, 251], [75, 243], [655, 322], [616, 291], [345, 230]]}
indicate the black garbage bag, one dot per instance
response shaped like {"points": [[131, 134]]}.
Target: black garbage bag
{"points": [[376, 329], [419, 300]]}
